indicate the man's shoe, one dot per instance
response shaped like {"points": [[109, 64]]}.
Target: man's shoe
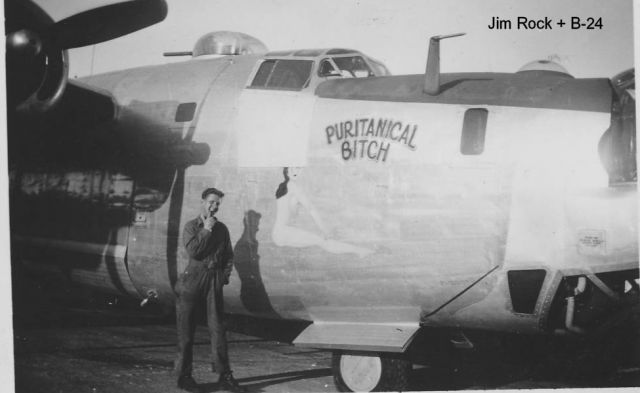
{"points": [[186, 382], [228, 382]]}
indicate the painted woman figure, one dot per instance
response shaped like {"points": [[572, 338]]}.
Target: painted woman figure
{"points": [[288, 196]]}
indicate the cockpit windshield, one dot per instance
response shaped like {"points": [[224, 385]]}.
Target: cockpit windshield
{"points": [[305, 69]]}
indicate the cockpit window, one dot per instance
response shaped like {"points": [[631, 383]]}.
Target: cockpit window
{"points": [[327, 69], [353, 67], [283, 74], [263, 73], [379, 67]]}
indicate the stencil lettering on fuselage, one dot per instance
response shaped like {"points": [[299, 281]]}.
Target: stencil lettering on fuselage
{"points": [[592, 242]]}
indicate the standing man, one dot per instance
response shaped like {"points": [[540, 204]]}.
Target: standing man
{"points": [[210, 262]]}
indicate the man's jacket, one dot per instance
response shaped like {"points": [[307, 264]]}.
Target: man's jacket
{"points": [[212, 248]]}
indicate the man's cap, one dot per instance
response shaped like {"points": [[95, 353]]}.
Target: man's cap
{"points": [[212, 190]]}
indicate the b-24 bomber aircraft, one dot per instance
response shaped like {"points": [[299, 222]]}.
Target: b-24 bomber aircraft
{"points": [[373, 208]]}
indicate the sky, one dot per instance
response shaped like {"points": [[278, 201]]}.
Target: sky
{"points": [[395, 32]]}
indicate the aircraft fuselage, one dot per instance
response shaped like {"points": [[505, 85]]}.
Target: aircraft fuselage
{"points": [[477, 207]]}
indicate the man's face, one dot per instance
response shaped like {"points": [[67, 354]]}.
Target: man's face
{"points": [[210, 205]]}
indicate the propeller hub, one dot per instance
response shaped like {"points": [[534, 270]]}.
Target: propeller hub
{"points": [[24, 42]]}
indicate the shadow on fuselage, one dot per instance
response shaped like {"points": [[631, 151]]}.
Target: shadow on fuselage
{"points": [[51, 301], [77, 182], [247, 263]]}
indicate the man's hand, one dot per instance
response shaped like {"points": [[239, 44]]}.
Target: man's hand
{"points": [[209, 223]]}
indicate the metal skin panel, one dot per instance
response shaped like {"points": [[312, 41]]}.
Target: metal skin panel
{"points": [[390, 208], [370, 203], [264, 137], [427, 199]]}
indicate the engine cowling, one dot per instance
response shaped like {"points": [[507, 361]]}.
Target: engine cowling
{"points": [[37, 69], [37, 73]]}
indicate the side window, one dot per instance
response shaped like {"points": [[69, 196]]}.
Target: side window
{"points": [[283, 74], [379, 68], [185, 112], [263, 73], [290, 74], [474, 128], [353, 67], [327, 69]]}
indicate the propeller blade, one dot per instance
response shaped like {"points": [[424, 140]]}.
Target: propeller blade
{"points": [[23, 14], [107, 22]]}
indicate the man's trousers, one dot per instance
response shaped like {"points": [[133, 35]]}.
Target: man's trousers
{"points": [[199, 283]]}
